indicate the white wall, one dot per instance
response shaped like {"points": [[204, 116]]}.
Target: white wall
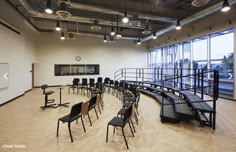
{"points": [[17, 50], [111, 57]]}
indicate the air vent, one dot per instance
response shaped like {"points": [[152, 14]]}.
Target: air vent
{"points": [[135, 23], [199, 3], [95, 26], [63, 12]]}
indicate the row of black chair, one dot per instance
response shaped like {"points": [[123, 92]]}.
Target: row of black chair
{"points": [[130, 96], [85, 85], [78, 111]]}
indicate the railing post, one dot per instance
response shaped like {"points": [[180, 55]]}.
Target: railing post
{"points": [[202, 84], [195, 81], [177, 77], [198, 82], [162, 84], [174, 76], [181, 78], [158, 74]]}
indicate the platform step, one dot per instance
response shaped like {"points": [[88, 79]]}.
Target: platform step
{"points": [[180, 106], [167, 113]]}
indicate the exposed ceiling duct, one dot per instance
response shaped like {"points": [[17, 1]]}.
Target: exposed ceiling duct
{"points": [[98, 9], [194, 17], [89, 20], [99, 35]]}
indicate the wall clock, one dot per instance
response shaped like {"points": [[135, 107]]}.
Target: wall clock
{"points": [[77, 58]]}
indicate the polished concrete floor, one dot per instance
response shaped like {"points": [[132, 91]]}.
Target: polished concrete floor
{"points": [[25, 127]]}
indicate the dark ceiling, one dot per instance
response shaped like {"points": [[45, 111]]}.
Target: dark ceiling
{"points": [[157, 14]]}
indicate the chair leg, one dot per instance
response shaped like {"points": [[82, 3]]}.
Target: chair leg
{"points": [[107, 133], [70, 133], [96, 112], [131, 128], [132, 124], [125, 138], [136, 117], [89, 119], [83, 124], [99, 109], [57, 127], [114, 130]]}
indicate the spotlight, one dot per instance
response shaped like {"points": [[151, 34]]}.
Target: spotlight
{"points": [[112, 31], [225, 6], [62, 36], [125, 18], [154, 36], [105, 39], [48, 8], [58, 28], [178, 27], [139, 41]]}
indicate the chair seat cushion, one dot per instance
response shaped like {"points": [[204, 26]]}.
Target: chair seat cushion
{"points": [[67, 118], [116, 121], [49, 92]]}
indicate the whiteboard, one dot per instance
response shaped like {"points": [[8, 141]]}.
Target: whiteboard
{"points": [[4, 75]]}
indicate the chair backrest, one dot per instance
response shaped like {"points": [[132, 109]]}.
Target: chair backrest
{"points": [[44, 87], [84, 81], [106, 80], [99, 80], [85, 107], [92, 101], [111, 82], [91, 82], [75, 110], [75, 81], [116, 83], [128, 112]]}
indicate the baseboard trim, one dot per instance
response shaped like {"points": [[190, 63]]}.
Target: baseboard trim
{"points": [[15, 98], [12, 99], [28, 90]]}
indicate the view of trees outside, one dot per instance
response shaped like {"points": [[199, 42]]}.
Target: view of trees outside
{"points": [[221, 56]]}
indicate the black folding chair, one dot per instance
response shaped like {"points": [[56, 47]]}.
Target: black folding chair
{"points": [[75, 114], [121, 122]]}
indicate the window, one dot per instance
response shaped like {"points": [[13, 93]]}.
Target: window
{"points": [[76, 69], [222, 57]]}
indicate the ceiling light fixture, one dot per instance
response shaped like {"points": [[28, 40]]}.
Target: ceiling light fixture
{"points": [[139, 41], [118, 35], [62, 36], [225, 6], [105, 39], [48, 8], [178, 27], [112, 31], [58, 28], [154, 36], [125, 18]]}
